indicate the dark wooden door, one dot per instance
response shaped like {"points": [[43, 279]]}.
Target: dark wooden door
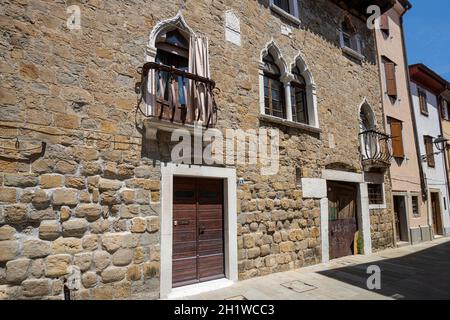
{"points": [[198, 246], [342, 222], [436, 208]]}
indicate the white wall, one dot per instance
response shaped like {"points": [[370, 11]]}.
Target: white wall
{"points": [[430, 126]]}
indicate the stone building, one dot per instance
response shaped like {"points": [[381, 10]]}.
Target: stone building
{"points": [[92, 204]]}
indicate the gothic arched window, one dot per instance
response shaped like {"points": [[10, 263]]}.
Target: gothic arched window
{"points": [[273, 88], [298, 97]]}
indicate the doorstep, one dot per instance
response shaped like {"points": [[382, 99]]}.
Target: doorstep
{"points": [[199, 288], [401, 244]]}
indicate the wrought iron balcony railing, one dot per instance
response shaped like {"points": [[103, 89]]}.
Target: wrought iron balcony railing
{"points": [[179, 97], [376, 149]]}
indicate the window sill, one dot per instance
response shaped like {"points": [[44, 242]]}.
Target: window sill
{"points": [[288, 123], [353, 53], [426, 114], [285, 14]]}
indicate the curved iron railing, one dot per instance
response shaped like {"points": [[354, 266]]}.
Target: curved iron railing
{"points": [[181, 97], [376, 148]]}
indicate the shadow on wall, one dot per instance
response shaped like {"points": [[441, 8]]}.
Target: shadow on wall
{"points": [[422, 275]]}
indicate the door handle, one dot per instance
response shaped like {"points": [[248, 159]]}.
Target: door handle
{"points": [[201, 230]]}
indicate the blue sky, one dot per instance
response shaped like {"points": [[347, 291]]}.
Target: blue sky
{"points": [[427, 33]]}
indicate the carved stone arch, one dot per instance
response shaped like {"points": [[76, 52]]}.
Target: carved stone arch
{"points": [[311, 93], [164, 26], [273, 49], [367, 118], [300, 62]]}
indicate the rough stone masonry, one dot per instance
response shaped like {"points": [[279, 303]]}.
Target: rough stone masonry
{"points": [[84, 192]]}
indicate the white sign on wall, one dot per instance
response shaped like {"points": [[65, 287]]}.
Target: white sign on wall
{"points": [[232, 28]]}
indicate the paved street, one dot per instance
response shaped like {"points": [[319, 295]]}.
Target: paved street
{"points": [[412, 272]]}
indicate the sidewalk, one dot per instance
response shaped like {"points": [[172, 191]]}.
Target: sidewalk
{"points": [[412, 272]]}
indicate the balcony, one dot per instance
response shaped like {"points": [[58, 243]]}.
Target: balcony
{"points": [[376, 150], [177, 99]]}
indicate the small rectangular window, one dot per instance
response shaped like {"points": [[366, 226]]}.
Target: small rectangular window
{"points": [[375, 194], [429, 151], [415, 206], [445, 110], [298, 176], [351, 41], [423, 101], [289, 9]]}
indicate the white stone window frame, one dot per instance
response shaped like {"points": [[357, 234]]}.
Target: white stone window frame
{"points": [[350, 51], [294, 13], [286, 78], [168, 171], [150, 54], [383, 193]]}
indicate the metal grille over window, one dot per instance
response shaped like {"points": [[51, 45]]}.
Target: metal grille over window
{"points": [[375, 193]]}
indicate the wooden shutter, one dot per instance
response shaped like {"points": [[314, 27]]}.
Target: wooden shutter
{"points": [[423, 101], [430, 151], [384, 23], [397, 139], [391, 84]]}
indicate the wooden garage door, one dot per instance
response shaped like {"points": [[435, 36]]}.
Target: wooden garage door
{"points": [[198, 246]]}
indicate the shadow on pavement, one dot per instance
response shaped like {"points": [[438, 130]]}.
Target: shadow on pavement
{"points": [[420, 275]]}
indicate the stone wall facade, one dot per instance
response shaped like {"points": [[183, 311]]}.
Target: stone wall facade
{"points": [[88, 198]]}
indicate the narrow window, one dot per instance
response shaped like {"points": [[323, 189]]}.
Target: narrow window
{"points": [[273, 89], [423, 101], [391, 84], [298, 176], [415, 206], [444, 110], [397, 138], [349, 36], [375, 194], [298, 98], [173, 51], [429, 151]]}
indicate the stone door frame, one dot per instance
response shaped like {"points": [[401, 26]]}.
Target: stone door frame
{"points": [[168, 171], [317, 189]]}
